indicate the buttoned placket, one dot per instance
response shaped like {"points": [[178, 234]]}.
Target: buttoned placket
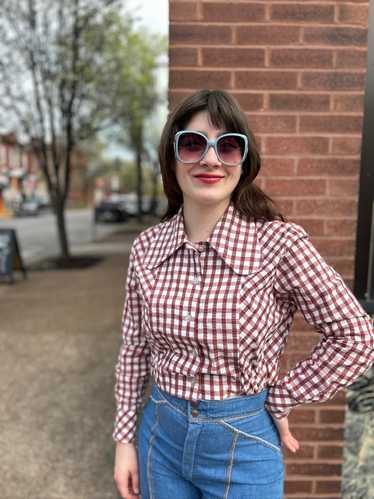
{"points": [[198, 252]]}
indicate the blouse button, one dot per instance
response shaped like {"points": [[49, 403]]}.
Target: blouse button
{"points": [[196, 279]]}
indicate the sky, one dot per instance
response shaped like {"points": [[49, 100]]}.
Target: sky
{"points": [[154, 15]]}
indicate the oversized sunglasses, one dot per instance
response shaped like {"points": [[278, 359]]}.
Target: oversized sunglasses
{"points": [[191, 146]]}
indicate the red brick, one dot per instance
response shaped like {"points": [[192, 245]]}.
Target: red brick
{"points": [[341, 227], [299, 102], [318, 433], [312, 1], [297, 486], [301, 58], [352, 58], [249, 101], [332, 80], [199, 79], [268, 35], [298, 12], [260, 143], [325, 167], [272, 123], [299, 324], [348, 103], [277, 167], [183, 11], [182, 56], [313, 469], [326, 207], [263, 80], [346, 145], [196, 34], [228, 57], [328, 416], [305, 452], [296, 145], [349, 283], [302, 342], [260, 182], [295, 187], [300, 416], [314, 227], [343, 187], [328, 486], [331, 124], [336, 35], [176, 96], [286, 206], [343, 265], [338, 399], [233, 11], [353, 14], [329, 451]]}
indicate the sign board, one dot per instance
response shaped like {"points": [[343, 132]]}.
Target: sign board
{"points": [[10, 255]]}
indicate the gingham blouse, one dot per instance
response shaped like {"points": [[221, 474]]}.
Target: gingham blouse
{"points": [[211, 319]]}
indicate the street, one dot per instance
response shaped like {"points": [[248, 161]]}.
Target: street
{"points": [[38, 239]]}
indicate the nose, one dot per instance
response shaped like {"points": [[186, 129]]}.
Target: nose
{"points": [[210, 157]]}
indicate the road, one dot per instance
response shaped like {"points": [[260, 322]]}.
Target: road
{"points": [[38, 238]]}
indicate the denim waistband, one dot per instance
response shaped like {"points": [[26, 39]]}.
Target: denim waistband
{"points": [[233, 406]]}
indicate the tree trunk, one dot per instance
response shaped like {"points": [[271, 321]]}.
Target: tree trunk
{"points": [[61, 229], [154, 199], [139, 186]]}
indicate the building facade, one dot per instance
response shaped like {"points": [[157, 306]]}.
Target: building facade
{"points": [[22, 180], [298, 70]]}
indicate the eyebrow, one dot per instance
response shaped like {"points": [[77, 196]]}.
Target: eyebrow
{"points": [[205, 133]]}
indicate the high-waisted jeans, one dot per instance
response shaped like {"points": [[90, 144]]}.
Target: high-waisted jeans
{"points": [[210, 449]]}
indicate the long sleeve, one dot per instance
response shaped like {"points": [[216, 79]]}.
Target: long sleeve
{"points": [[346, 348], [132, 368]]}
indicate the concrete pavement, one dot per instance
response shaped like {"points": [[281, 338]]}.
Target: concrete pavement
{"points": [[60, 337]]}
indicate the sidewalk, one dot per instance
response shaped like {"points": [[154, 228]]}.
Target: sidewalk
{"points": [[60, 337]]}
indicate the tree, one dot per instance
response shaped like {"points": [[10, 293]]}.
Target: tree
{"points": [[59, 80], [141, 53]]}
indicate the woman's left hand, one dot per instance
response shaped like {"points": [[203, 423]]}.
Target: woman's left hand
{"points": [[286, 436]]}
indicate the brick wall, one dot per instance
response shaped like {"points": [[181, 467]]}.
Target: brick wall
{"points": [[298, 69]]}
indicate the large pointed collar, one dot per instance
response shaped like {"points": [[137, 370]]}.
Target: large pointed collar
{"points": [[233, 237]]}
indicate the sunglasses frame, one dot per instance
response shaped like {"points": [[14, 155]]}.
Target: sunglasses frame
{"points": [[210, 143]]}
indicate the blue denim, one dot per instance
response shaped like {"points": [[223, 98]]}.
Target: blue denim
{"points": [[210, 449]]}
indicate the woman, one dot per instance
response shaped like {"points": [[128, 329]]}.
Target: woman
{"points": [[210, 296]]}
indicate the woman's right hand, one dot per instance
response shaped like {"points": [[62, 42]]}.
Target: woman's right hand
{"points": [[126, 471]]}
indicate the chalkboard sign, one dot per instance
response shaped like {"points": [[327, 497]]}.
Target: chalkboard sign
{"points": [[10, 255]]}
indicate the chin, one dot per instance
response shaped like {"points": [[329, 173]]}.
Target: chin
{"points": [[210, 199]]}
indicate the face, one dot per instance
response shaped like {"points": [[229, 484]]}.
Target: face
{"points": [[194, 189]]}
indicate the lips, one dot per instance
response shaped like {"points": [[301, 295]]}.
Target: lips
{"points": [[208, 176]]}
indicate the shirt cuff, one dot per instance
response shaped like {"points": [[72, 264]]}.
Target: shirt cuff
{"points": [[279, 402], [125, 426]]}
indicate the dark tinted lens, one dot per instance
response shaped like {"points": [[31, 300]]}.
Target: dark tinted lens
{"points": [[191, 146], [231, 149]]}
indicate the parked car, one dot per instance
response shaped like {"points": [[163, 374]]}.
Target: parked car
{"points": [[110, 210], [27, 209], [120, 207]]}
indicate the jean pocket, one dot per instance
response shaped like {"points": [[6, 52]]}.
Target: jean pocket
{"points": [[244, 417], [259, 429]]}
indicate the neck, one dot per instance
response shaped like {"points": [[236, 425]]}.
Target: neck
{"points": [[199, 220]]}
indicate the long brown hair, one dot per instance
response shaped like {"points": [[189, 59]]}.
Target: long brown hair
{"points": [[224, 112]]}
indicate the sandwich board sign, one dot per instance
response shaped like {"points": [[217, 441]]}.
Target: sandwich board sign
{"points": [[10, 255]]}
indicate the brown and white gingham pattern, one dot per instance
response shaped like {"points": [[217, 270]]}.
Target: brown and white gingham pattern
{"points": [[211, 320]]}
